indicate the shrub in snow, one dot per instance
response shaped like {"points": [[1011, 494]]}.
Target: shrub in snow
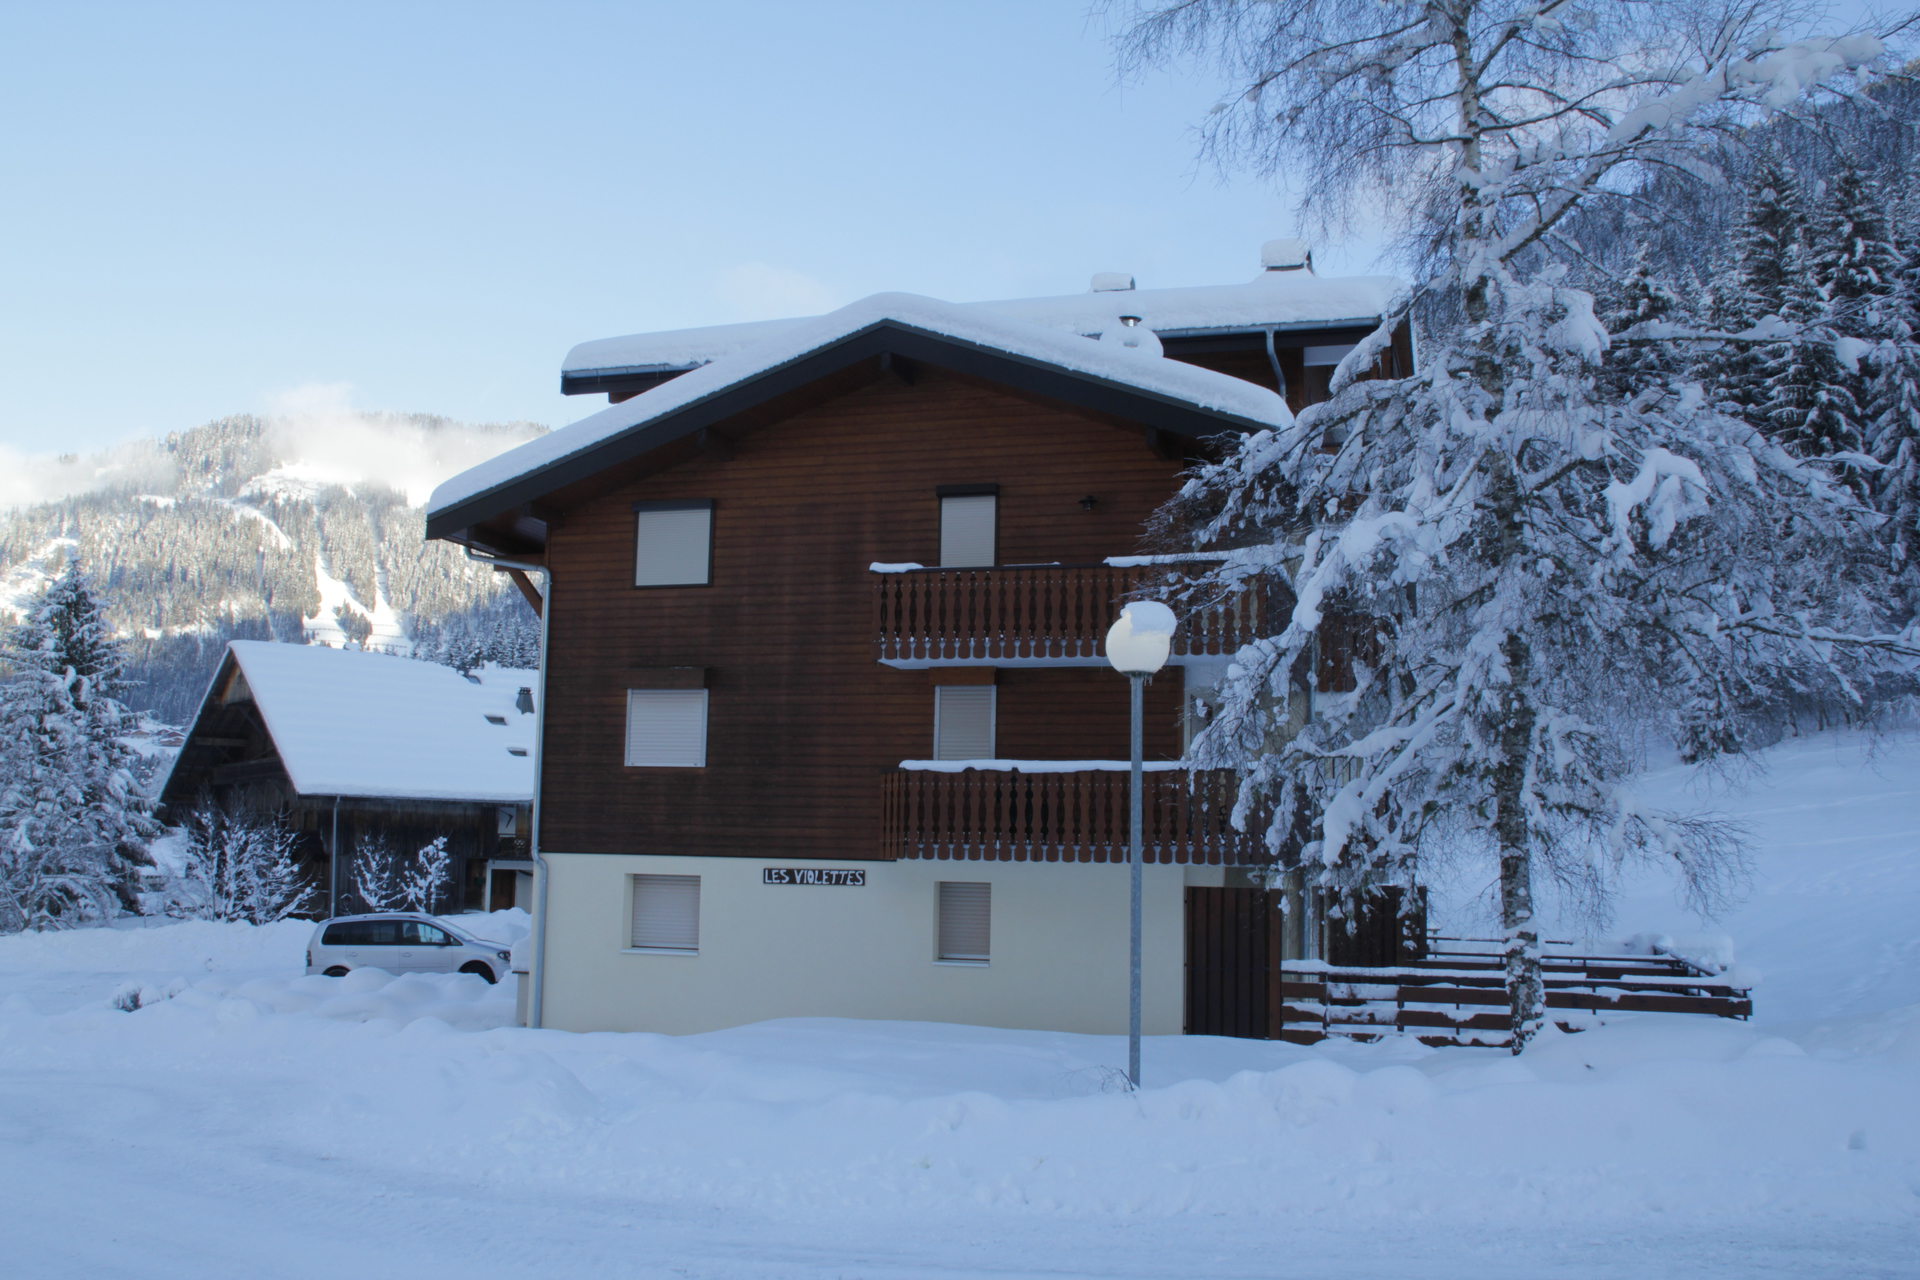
{"points": [[237, 865], [423, 885], [1518, 563], [376, 874], [384, 881], [74, 819]]}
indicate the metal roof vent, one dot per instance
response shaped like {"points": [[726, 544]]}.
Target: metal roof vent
{"points": [[1287, 255], [1130, 334], [1111, 282]]}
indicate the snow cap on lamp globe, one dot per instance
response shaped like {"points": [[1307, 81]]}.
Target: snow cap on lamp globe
{"points": [[1139, 641]]}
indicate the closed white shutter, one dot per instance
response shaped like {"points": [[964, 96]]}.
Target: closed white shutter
{"points": [[963, 722], [966, 920], [672, 545], [667, 727], [966, 530], [666, 912], [1315, 357]]}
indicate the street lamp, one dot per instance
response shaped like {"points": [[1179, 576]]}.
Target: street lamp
{"points": [[1137, 646]]}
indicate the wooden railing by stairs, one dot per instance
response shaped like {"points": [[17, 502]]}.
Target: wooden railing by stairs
{"points": [[1457, 994]]}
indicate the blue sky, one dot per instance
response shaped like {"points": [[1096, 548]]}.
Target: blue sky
{"points": [[421, 206]]}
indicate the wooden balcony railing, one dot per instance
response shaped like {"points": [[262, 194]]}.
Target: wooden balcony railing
{"points": [[1039, 612], [1069, 816]]}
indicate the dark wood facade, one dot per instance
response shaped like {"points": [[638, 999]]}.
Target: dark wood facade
{"points": [[804, 726], [819, 673]]}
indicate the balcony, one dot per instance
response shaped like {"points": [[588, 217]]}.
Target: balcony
{"points": [[1061, 811], [1044, 614]]}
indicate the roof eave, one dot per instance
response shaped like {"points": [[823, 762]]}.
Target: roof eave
{"points": [[1028, 373]]}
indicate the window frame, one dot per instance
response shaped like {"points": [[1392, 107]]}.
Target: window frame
{"points": [[941, 952], [641, 509], [993, 720], [946, 491], [634, 883], [706, 716]]}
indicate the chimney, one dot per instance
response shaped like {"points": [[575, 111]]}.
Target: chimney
{"points": [[1111, 282], [1287, 255]]}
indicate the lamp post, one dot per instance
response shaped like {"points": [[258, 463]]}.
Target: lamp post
{"points": [[1137, 646]]}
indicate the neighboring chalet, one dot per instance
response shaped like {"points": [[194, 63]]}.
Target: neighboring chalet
{"points": [[829, 730], [350, 747]]}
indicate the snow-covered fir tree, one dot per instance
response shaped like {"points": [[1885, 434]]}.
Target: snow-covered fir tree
{"points": [[1807, 397], [1645, 297], [1894, 422], [1856, 261], [1768, 240], [74, 819], [1539, 569]]}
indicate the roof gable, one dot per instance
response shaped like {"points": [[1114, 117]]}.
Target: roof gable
{"points": [[1104, 377], [351, 723]]}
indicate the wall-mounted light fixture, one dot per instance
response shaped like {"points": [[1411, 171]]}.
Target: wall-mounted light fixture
{"points": [[1089, 502]]}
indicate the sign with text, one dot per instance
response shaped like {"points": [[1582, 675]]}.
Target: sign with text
{"points": [[842, 876]]}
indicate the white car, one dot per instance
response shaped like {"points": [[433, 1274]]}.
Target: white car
{"points": [[402, 942]]}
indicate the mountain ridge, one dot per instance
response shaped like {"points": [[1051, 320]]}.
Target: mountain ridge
{"points": [[304, 528]]}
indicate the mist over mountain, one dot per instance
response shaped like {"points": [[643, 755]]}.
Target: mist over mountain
{"points": [[305, 526]]}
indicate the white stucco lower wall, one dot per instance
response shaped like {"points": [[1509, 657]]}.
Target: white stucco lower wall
{"points": [[1059, 947]]}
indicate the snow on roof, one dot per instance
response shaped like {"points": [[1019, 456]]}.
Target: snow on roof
{"points": [[1273, 299], [352, 723], [787, 342]]}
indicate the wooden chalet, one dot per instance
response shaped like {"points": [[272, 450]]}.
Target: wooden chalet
{"points": [[350, 747], [828, 726]]}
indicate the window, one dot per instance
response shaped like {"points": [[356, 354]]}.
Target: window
{"points": [[667, 727], [666, 913], [415, 933], [672, 543], [966, 921], [363, 933], [968, 514], [963, 722]]}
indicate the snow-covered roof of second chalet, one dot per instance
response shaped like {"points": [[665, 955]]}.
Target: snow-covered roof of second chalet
{"points": [[1295, 299], [352, 723], [1234, 400]]}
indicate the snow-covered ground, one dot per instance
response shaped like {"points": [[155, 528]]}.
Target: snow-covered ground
{"points": [[245, 1120]]}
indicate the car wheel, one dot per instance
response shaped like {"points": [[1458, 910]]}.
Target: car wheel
{"points": [[474, 966], [338, 971]]}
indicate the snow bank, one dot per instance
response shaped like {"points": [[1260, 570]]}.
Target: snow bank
{"points": [[249, 1111]]}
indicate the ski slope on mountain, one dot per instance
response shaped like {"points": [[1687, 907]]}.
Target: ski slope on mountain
{"points": [[246, 1119]]}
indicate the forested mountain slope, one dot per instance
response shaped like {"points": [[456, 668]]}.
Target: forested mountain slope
{"points": [[250, 527]]}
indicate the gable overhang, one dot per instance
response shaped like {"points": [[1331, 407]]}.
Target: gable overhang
{"points": [[505, 519], [623, 382]]}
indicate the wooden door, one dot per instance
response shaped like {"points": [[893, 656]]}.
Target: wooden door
{"points": [[1233, 963]]}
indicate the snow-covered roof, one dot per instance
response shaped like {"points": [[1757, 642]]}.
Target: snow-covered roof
{"points": [[1235, 400], [351, 723], [1295, 299]]}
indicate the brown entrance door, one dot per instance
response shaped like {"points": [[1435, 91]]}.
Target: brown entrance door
{"points": [[1233, 963]]}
